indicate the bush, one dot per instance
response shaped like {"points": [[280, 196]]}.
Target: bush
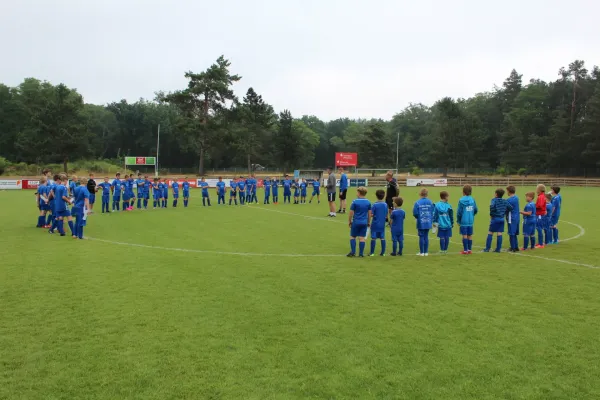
{"points": [[504, 171], [416, 171], [4, 163], [522, 171]]}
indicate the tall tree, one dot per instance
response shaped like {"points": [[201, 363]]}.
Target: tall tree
{"points": [[206, 95]]}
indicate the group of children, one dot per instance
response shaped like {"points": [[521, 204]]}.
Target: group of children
{"points": [[541, 216]]}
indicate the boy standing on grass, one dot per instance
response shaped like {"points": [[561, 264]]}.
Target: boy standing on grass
{"points": [[547, 220], [557, 203], [126, 193], [185, 187], [275, 187], [316, 191], [141, 187], [156, 190], [465, 217], [242, 190], [254, 187], [529, 222], [423, 213], [165, 193], [205, 198], [91, 186], [287, 189], [72, 185], [175, 187], [297, 191], [116, 191], [443, 219], [540, 212], [359, 220], [514, 219], [42, 203], [397, 218], [379, 213], [343, 190], [232, 191], [499, 210], [221, 191], [80, 205], [303, 191], [105, 186], [267, 186]]}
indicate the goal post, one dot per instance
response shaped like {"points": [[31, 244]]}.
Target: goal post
{"points": [[374, 172]]}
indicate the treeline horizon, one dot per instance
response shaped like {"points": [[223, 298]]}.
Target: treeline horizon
{"points": [[536, 127]]}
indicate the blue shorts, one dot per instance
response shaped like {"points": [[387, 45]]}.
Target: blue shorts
{"points": [[316, 193], [175, 195], [358, 230], [44, 206], [205, 195], [287, 192], [165, 195], [275, 193], [296, 194], [529, 229], [554, 220], [92, 198], [466, 230], [117, 197], [63, 213], [232, 194], [303, 193], [444, 233], [496, 225], [423, 232], [105, 199], [398, 236], [513, 228], [378, 233], [186, 194], [125, 197]]}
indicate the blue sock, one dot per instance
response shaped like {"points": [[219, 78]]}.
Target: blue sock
{"points": [[54, 222], [139, 203], [470, 244], [488, 242], [383, 243], [208, 200], [185, 203], [353, 246], [555, 235], [547, 236], [421, 245], [71, 227], [532, 239], [400, 247], [80, 232], [394, 246], [49, 219], [372, 246], [525, 242], [361, 248], [540, 238], [426, 243], [39, 223], [60, 225], [499, 242], [465, 244], [442, 243]]}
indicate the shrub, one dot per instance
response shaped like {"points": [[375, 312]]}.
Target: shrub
{"points": [[504, 171], [416, 171], [522, 171], [4, 163]]}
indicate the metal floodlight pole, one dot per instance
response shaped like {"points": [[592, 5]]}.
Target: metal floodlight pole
{"points": [[397, 146], [157, 147]]}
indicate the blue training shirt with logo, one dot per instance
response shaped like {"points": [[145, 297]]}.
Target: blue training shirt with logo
{"points": [[379, 211], [361, 208]]}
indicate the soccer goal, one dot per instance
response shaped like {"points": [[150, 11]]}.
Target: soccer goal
{"points": [[374, 172]]}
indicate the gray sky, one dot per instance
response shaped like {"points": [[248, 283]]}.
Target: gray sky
{"points": [[329, 58]]}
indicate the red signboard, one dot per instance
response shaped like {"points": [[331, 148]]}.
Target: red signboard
{"points": [[30, 184], [140, 160], [346, 159]]}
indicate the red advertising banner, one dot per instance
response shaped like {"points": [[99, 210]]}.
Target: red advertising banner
{"points": [[30, 184], [346, 159]]}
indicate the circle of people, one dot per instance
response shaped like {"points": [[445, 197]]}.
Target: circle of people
{"points": [[540, 214]]}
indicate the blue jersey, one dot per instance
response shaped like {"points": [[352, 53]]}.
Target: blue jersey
{"points": [[499, 208], [557, 204], [303, 187], [241, 186], [232, 187], [51, 191], [81, 193], [185, 186], [361, 208], [467, 209], [397, 221], [175, 187], [59, 192], [221, 188], [267, 185], [515, 215], [72, 187], [141, 186], [316, 184], [296, 189], [529, 207], [287, 185], [423, 213], [343, 182], [379, 212], [204, 186], [105, 186], [549, 210], [275, 186], [116, 185], [156, 189], [165, 189], [443, 215], [147, 186], [254, 185]]}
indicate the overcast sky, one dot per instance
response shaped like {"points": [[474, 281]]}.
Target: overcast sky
{"points": [[329, 58]]}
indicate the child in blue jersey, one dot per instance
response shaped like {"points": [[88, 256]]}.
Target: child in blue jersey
{"points": [[221, 191], [254, 187], [156, 193], [248, 198], [303, 191], [233, 191], [397, 217], [443, 220], [557, 204], [499, 210], [297, 191], [165, 193], [287, 190], [60, 194], [116, 191], [42, 200], [81, 204], [547, 220], [175, 187], [242, 190], [529, 222], [52, 201], [423, 213], [185, 187], [513, 219], [131, 193], [147, 190], [359, 221], [141, 190], [316, 191], [72, 185], [343, 190], [105, 187], [125, 189], [267, 186], [379, 213], [205, 198], [275, 187], [465, 217]]}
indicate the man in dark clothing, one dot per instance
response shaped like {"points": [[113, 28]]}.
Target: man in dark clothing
{"points": [[392, 190], [91, 187]]}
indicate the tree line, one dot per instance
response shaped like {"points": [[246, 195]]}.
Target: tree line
{"points": [[536, 126]]}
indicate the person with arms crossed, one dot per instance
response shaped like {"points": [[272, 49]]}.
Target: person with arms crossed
{"points": [[359, 220], [343, 190], [331, 184]]}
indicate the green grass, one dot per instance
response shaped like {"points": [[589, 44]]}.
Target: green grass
{"points": [[99, 319]]}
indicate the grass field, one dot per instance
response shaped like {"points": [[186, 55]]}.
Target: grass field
{"points": [[259, 302]]}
